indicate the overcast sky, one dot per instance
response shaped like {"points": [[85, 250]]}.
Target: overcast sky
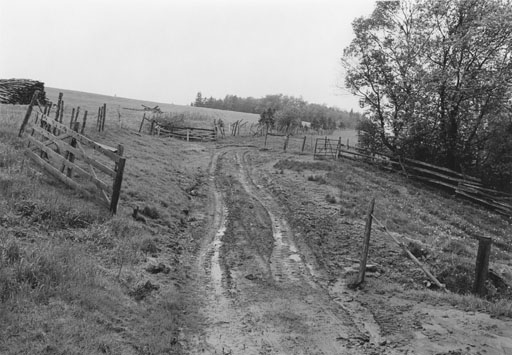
{"points": [[167, 51]]}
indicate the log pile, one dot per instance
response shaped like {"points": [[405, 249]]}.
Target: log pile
{"points": [[20, 91]]}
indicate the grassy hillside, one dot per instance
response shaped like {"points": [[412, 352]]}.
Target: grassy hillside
{"points": [[118, 109], [73, 280]]}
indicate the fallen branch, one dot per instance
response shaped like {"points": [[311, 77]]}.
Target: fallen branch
{"points": [[412, 257]]}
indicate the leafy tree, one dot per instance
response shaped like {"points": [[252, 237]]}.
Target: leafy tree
{"points": [[432, 74], [287, 119], [267, 118]]}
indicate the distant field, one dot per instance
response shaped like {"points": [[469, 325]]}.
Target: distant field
{"points": [[118, 109]]}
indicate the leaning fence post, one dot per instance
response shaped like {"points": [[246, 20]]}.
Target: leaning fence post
{"points": [[482, 265], [366, 243], [142, 122], [303, 144], [29, 112]]}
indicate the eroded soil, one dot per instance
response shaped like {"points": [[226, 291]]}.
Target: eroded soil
{"points": [[270, 283]]}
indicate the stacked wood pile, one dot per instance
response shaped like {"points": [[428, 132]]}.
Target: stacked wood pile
{"points": [[20, 91], [465, 186]]}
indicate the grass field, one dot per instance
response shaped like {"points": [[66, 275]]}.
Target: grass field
{"points": [[119, 111]]}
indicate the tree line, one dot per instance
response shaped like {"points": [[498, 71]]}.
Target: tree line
{"points": [[435, 80], [283, 112]]}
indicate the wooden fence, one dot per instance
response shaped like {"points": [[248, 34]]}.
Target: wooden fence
{"points": [[460, 184], [74, 159], [186, 133]]}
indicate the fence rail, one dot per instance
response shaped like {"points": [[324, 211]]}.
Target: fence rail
{"points": [[460, 184], [72, 158], [186, 133]]}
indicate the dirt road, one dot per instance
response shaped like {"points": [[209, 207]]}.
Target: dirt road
{"points": [[263, 294]]}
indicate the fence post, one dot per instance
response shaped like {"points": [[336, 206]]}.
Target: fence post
{"points": [[314, 153], [303, 144], [366, 243], [338, 148], [104, 116], [152, 127], [286, 142], [71, 119], [59, 105], [266, 134], [84, 121], [142, 122], [61, 113], [482, 265], [29, 112], [325, 145], [117, 185]]}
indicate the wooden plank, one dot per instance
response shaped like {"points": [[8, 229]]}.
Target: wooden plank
{"points": [[75, 151], [93, 173], [100, 184], [57, 174], [102, 148]]}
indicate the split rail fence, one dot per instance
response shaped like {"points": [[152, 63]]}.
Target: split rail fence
{"points": [[186, 133], [463, 185], [74, 159]]}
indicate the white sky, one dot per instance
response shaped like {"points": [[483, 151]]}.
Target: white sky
{"points": [[167, 51]]}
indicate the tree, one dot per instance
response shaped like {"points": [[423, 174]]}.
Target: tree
{"points": [[199, 102], [287, 119], [267, 118], [432, 74]]}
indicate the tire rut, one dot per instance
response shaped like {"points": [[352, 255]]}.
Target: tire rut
{"points": [[286, 313]]}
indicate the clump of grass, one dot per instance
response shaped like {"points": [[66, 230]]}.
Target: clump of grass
{"points": [[151, 212], [457, 247], [148, 246], [43, 271], [317, 178], [331, 199]]}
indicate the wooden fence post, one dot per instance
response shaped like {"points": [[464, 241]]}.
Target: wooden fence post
{"points": [[303, 144], [152, 127], [482, 265], [84, 121], [142, 122], [29, 112], [314, 153], [72, 117], [338, 148], [117, 185], [104, 116], [366, 243], [69, 155], [266, 135], [286, 142], [59, 105], [61, 113]]}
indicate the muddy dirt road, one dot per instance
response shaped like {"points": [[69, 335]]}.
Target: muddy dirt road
{"points": [[264, 295]]}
